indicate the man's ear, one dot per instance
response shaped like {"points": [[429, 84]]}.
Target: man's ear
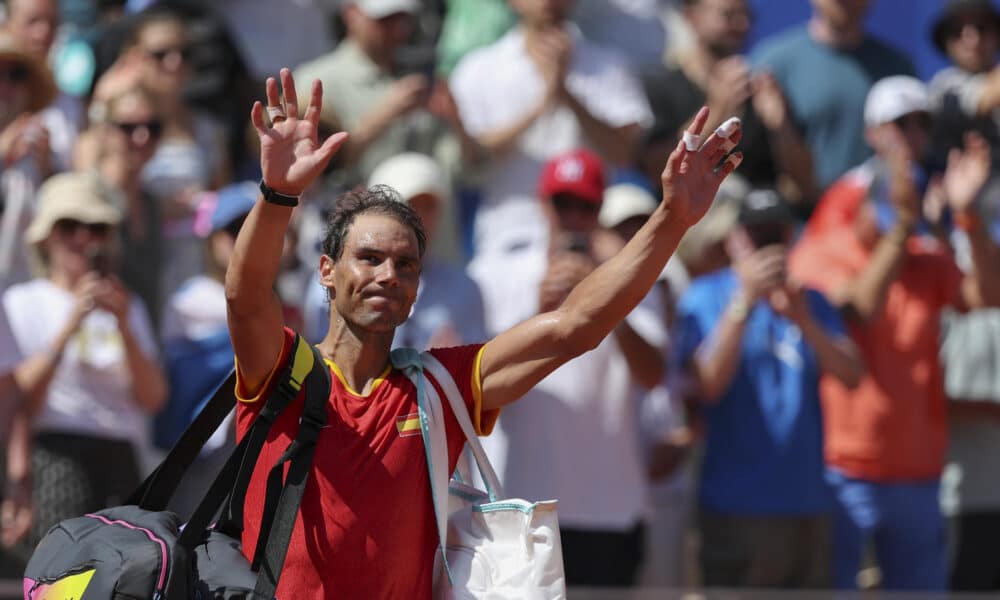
{"points": [[327, 266]]}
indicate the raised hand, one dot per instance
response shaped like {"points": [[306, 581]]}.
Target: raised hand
{"points": [[692, 177], [291, 157], [967, 172]]}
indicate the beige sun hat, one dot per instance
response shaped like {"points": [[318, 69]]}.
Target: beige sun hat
{"points": [[42, 88], [75, 195]]}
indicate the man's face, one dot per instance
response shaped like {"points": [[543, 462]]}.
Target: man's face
{"points": [[374, 283], [570, 214], [34, 23], [841, 14], [381, 35], [912, 130], [722, 25], [165, 54], [972, 40], [542, 12]]}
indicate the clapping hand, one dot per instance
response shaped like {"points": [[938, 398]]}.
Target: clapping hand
{"points": [[692, 176], [291, 157], [968, 170]]}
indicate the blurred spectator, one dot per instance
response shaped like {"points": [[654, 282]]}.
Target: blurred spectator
{"points": [[26, 88], [449, 307], [470, 24], [633, 27], [268, 44], [541, 90], [666, 439], [369, 93], [198, 353], [34, 24], [89, 374], [755, 342], [713, 72], [970, 354], [885, 440], [966, 95], [191, 155], [825, 69], [576, 438], [9, 394], [119, 148]]}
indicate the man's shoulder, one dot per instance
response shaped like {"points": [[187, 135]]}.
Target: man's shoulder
{"points": [[784, 46], [331, 65], [472, 65]]}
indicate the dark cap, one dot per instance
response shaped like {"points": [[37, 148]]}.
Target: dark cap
{"points": [[939, 31], [764, 206]]}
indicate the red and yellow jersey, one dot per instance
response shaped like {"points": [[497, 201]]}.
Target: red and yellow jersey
{"points": [[366, 527]]}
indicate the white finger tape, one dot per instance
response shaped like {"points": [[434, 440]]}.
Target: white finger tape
{"points": [[728, 128], [692, 141], [275, 112]]}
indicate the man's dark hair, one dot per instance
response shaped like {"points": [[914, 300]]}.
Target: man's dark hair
{"points": [[379, 200]]}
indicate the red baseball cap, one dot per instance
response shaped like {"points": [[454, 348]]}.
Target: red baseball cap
{"points": [[579, 173]]}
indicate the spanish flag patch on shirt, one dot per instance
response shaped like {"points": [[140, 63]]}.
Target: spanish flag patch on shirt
{"points": [[408, 425]]}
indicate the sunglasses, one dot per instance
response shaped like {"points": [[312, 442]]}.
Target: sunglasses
{"points": [[71, 226], [140, 131], [161, 54], [14, 74]]}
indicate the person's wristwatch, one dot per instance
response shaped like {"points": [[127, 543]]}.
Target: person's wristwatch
{"points": [[278, 198]]}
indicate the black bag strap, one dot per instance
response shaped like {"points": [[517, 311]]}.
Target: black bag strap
{"points": [[281, 505], [155, 492]]}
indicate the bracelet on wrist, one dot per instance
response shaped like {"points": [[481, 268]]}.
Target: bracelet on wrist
{"points": [[274, 197]]}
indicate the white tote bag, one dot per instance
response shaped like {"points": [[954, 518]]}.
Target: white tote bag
{"points": [[494, 547]]}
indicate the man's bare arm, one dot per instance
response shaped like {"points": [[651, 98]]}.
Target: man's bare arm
{"points": [[517, 359], [291, 159]]}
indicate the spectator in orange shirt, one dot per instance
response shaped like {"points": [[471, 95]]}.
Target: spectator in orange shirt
{"points": [[885, 440]]}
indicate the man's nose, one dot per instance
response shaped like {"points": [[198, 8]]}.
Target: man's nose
{"points": [[387, 273]]}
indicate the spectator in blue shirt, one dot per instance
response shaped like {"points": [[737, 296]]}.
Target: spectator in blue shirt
{"points": [[825, 69], [756, 343]]}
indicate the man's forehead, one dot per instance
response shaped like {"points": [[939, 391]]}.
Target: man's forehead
{"points": [[380, 230]]}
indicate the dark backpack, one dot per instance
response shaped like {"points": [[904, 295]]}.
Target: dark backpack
{"points": [[142, 551]]}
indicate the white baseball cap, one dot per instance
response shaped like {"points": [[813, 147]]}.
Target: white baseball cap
{"points": [[624, 201], [412, 174], [893, 97], [376, 9]]}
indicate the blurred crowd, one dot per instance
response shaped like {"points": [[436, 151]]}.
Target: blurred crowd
{"points": [[809, 397]]}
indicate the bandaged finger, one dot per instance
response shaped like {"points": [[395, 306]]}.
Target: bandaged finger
{"points": [[692, 141], [728, 128]]}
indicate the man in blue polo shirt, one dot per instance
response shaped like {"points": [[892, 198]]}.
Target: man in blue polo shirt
{"points": [[755, 343]]}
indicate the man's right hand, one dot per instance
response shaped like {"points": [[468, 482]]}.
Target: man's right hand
{"points": [[728, 86], [404, 95], [291, 157], [762, 272]]}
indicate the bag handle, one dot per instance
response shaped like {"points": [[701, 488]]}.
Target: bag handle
{"points": [[435, 441], [444, 379]]}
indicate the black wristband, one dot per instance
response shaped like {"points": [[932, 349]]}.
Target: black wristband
{"points": [[277, 197]]}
